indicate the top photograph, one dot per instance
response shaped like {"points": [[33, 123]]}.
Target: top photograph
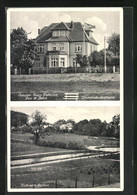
{"points": [[64, 54]]}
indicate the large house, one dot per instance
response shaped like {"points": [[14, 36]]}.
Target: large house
{"points": [[58, 44]]}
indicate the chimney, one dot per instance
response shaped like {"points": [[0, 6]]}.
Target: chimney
{"points": [[38, 31], [72, 24]]}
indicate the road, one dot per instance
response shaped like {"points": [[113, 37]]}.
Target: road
{"points": [[44, 160]]}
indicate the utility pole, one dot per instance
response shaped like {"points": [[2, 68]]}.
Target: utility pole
{"points": [[83, 40], [105, 67]]}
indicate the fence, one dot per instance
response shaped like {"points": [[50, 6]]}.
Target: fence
{"points": [[62, 70], [85, 177]]}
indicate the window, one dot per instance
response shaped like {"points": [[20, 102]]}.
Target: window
{"points": [[61, 46], [54, 33], [58, 33], [40, 48], [63, 33], [74, 62], [62, 62], [54, 46], [54, 62], [78, 48]]}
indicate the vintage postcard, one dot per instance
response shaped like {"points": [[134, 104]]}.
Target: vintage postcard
{"points": [[61, 54], [65, 99], [65, 148]]}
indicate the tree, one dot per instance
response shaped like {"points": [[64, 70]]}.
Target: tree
{"points": [[82, 60], [18, 119], [57, 124], [79, 59], [113, 128], [22, 49], [71, 121], [85, 61], [116, 124], [38, 118], [94, 58], [114, 44]]}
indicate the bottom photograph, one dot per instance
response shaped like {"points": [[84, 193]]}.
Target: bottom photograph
{"points": [[64, 147]]}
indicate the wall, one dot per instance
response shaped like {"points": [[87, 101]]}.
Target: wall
{"points": [[66, 46]]}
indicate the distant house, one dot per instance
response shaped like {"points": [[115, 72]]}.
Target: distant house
{"points": [[67, 127], [58, 44]]}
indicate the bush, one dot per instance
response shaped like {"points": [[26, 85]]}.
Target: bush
{"points": [[54, 70], [75, 146], [70, 145]]}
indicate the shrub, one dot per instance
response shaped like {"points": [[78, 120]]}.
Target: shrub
{"points": [[70, 145], [75, 146]]}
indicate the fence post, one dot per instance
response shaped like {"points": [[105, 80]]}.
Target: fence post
{"points": [[93, 180], [114, 69], [56, 183], [76, 182], [109, 179]]}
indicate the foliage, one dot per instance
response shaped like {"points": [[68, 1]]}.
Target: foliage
{"points": [[71, 121], [94, 58], [83, 61], [114, 44], [22, 49], [115, 61], [79, 59], [57, 124], [18, 119], [97, 58], [113, 128], [38, 118]]}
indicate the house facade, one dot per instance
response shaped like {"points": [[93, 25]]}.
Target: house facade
{"points": [[58, 44]]}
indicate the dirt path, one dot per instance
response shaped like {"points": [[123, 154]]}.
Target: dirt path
{"points": [[53, 159]]}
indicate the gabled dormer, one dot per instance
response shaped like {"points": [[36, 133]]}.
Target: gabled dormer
{"points": [[61, 30]]}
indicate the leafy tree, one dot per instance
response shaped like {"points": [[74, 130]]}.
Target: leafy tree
{"points": [[109, 56], [85, 61], [94, 58], [116, 124], [18, 119], [82, 60], [57, 124], [71, 121], [38, 118], [114, 44], [115, 61], [79, 59], [113, 128], [22, 49]]}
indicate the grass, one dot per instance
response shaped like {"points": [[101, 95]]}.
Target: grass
{"points": [[18, 147], [83, 140], [66, 172], [87, 85]]}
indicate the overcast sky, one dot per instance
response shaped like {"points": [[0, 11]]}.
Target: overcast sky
{"points": [[106, 22], [71, 112]]}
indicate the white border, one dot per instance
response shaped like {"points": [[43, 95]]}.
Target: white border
{"points": [[65, 103]]}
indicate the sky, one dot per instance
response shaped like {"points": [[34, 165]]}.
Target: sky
{"points": [[55, 113], [106, 22]]}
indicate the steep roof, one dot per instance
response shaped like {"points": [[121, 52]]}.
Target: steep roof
{"points": [[56, 39], [61, 26], [76, 33]]}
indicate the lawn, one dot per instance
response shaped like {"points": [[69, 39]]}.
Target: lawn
{"points": [[89, 86], [64, 174], [21, 143]]}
